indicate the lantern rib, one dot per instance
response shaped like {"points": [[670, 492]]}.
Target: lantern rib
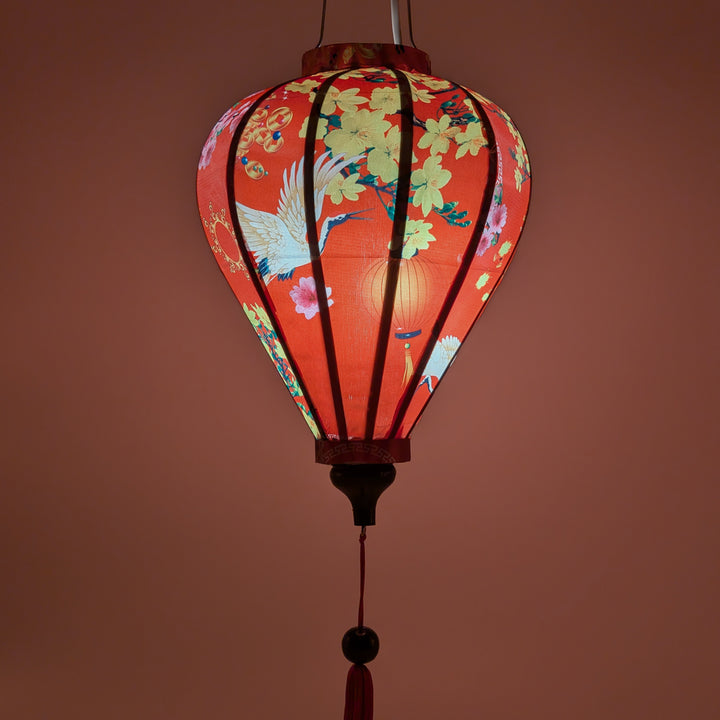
{"points": [[490, 295], [314, 249], [461, 274], [395, 254], [247, 258]]}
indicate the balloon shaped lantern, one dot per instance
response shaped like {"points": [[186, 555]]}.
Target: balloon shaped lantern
{"points": [[363, 215]]}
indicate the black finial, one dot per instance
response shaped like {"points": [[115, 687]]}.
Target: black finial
{"points": [[363, 484]]}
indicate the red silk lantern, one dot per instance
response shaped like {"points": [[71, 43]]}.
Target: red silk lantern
{"points": [[363, 215]]}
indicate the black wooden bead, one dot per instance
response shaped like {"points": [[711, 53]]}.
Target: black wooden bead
{"points": [[360, 645]]}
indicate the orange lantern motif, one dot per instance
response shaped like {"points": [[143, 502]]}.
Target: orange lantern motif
{"points": [[414, 287], [363, 215]]}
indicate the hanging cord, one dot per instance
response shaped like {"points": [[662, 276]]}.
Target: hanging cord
{"points": [[396, 24], [394, 20], [361, 608], [360, 645], [322, 24]]}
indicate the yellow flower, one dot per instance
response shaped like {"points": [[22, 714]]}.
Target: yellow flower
{"points": [[428, 81], [358, 74], [306, 86], [346, 100], [417, 237], [504, 249], [342, 188], [521, 153], [482, 281], [427, 183], [420, 94], [358, 131], [321, 128], [382, 160], [437, 135], [518, 179], [386, 99], [471, 139]]}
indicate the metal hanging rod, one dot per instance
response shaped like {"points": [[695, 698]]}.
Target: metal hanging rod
{"points": [[394, 20]]}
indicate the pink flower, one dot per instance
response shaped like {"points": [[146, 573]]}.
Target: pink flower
{"points": [[207, 151], [484, 244], [305, 297], [229, 120], [497, 219]]}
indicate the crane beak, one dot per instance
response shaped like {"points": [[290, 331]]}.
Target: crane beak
{"points": [[355, 213]]}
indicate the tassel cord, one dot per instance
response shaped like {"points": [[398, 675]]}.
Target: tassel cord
{"points": [[361, 606]]}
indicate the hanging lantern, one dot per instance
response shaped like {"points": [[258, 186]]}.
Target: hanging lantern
{"points": [[363, 215]]}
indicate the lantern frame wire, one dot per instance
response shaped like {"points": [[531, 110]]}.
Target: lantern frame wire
{"points": [[462, 272], [245, 252], [314, 247], [402, 195]]}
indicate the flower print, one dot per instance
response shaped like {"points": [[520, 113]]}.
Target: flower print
{"points": [[305, 297], [519, 152], [357, 132], [519, 155], [417, 237], [440, 359], [435, 83], [386, 99], [382, 160], [321, 128], [482, 281], [344, 188], [427, 183], [505, 248], [208, 150], [355, 75], [518, 178], [485, 241], [470, 140], [437, 135], [306, 87], [497, 218], [230, 120], [268, 336], [346, 100], [420, 94], [429, 81]]}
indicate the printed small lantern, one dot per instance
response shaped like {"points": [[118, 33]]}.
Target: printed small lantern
{"points": [[363, 215]]}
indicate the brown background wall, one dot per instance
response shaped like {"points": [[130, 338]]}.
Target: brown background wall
{"points": [[169, 549]]}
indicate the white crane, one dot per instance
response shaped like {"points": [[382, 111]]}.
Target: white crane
{"points": [[279, 242], [441, 358]]}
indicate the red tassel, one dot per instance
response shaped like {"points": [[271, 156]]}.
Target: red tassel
{"points": [[359, 694]]}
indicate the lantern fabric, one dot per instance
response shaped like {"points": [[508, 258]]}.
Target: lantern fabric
{"points": [[363, 215]]}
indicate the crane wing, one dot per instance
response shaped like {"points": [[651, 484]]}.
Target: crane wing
{"points": [[265, 235], [324, 171], [291, 207]]}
